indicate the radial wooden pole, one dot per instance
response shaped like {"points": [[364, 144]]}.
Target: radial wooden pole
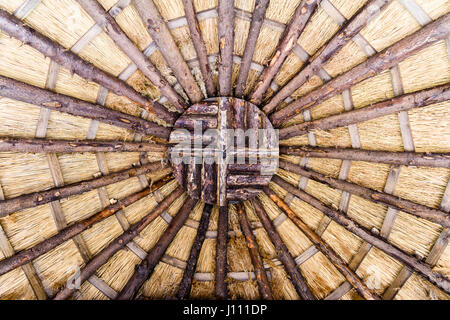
{"points": [[433, 32], [420, 267], [284, 256], [356, 24], [253, 249], [406, 102], [160, 33], [39, 198], [257, 20], [287, 43], [186, 282], [418, 210], [112, 29], [69, 60], [221, 289], [17, 90], [70, 146], [27, 255], [438, 160], [146, 267], [226, 46], [199, 46], [119, 243], [337, 261]]}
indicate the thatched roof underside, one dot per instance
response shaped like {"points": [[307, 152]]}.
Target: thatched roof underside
{"points": [[383, 234]]}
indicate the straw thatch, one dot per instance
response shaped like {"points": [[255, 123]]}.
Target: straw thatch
{"points": [[389, 251]]}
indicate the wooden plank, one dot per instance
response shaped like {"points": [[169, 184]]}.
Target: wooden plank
{"points": [[333, 12], [339, 291], [416, 11], [103, 287], [26, 8], [397, 284]]}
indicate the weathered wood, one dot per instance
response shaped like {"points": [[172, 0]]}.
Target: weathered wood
{"points": [[120, 242], [415, 264], [226, 46], [160, 33], [199, 46], [70, 146], [391, 56], [283, 253], [39, 198], [27, 255], [221, 289], [418, 210], [17, 29], [328, 251], [354, 26], [242, 194], [186, 282], [403, 103], [146, 267], [112, 29], [253, 249], [415, 159], [247, 180], [289, 39], [209, 184], [190, 121], [257, 20], [17, 90]]}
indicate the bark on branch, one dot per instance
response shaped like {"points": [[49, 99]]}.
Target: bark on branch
{"points": [[221, 289], [226, 46]]}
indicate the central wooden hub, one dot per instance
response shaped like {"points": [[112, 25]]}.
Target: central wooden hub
{"points": [[223, 149]]}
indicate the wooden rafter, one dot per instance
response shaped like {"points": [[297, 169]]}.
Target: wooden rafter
{"points": [[226, 46], [199, 46], [160, 33], [112, 29], [289, 39], [221, 289], [418, 210], [415, 264], [253, 249], [70, 146], [406, 102], [355, 25], [253, 34], [71, 231], [337, 261], [186, 282], [17, 90], [146, 267], [49, 48], [35, 199], [416, 159], [119, 243], [284, 256], [391, 56]]}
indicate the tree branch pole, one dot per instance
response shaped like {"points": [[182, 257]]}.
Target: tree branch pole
{"points": [[199, 46], [221, 289], [403, 103], [145, 268], [70, 146], [437, 160], [283, 253], [28, 255], [112, 29], [17, 29], [354, 26], [20, 91], [433, 32], [119, 243], [186, 283], [160, 33], [255, 27], [226, 46], [337, 261], [253, 249], [289, 39], [420, 267], [42, 197], [418, 210]]}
